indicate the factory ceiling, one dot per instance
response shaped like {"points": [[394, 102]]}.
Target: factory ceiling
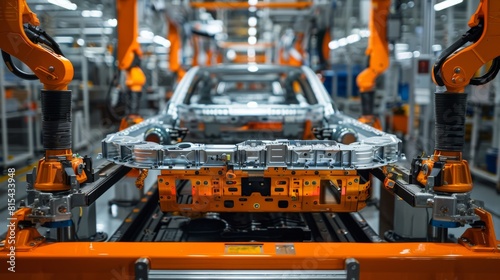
{"points": [[343, 16]]}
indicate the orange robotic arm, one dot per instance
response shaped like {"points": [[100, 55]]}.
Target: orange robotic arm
{"points": [[54, 71], [129, 50], [174, 36], [20, 38], [129, 59], [377, 50], [455, 69]]}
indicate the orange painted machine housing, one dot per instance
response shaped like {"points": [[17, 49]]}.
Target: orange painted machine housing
{"points": [[456, 173], [50, 175], [277, 189]]}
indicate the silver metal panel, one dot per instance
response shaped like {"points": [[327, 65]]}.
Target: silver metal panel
{"points": [[254, 154]]}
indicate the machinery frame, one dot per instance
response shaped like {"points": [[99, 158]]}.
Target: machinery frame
{"points": [[476, 255], [376, 261]]}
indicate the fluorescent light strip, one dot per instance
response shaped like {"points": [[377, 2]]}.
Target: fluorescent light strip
{"points": [[351, 39], [161, 41], [112, 22], [92, 13], [446, 4], [64, 4], [146, 34]]}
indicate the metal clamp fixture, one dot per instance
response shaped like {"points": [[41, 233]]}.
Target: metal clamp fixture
{"points": [[54, 209]]}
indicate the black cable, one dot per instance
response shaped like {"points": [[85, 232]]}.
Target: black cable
{"points": [[78, 223], [44, 38], [37, 37], [492, 73], [16, 71], [118, 111], [136, 62], [76, 237]]}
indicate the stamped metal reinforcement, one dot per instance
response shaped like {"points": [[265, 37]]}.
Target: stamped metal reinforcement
{"points": [[369, 153]]}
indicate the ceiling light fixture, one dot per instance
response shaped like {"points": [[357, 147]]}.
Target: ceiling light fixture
{"points": [[64, 39], [353, 38], [342, 42], [446, 4], [252, 68], [64, 4], [252, 31], [357, 35], [161, 41], [252, 21], [252, 40], [333, 45], [231, 55], [146, 34], [91, 13], [112, 22]]}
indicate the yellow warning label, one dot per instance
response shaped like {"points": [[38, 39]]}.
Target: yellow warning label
{"points": [[243, 249]]}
